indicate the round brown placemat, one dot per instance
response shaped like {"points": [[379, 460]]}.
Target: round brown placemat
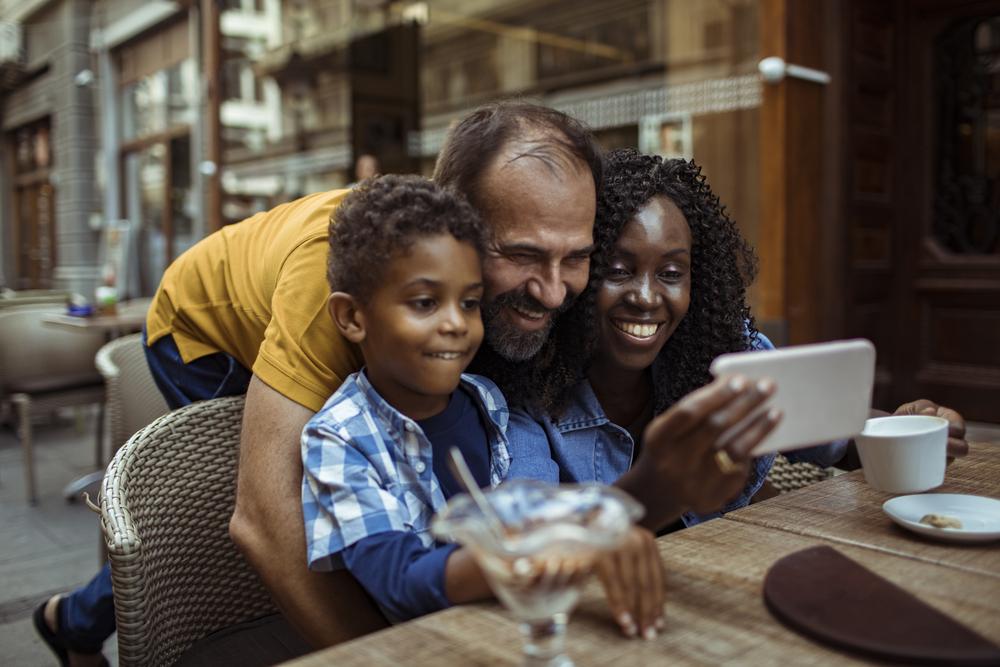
{"points": [[828, 597]]}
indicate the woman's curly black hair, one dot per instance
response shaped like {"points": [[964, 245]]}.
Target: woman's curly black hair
{"points": [[723, 265], [381, 217]]}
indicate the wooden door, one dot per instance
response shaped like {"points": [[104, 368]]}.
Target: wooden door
{"points": [[949, 234], [33, 205], [35, 234], [922, 177], [385, 96]]}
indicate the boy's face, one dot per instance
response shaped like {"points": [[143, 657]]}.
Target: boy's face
{"points": [[421, 326]]}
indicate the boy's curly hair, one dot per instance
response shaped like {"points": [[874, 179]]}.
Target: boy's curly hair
{"points": [[723, 265], [383, 216]]}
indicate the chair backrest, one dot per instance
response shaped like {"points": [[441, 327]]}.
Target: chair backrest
{"points": [[165, 506], [133, 401], [10, 298], [31, 349], [787, 476]]}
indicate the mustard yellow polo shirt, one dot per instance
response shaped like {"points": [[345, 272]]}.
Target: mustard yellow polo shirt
{"points": [[257, 291]]}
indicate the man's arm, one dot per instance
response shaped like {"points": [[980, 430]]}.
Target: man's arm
{"points": [[267, 526]]}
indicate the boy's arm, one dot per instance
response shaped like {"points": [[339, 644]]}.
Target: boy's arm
{"points": [[325, 607], [354, 514], [463, 580], [408, 579]]}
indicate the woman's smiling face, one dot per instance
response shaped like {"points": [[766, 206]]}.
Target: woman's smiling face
{"points": [[647, 287]]}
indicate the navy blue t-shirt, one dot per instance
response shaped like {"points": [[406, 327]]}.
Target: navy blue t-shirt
{"points": [[460, 425], [398, 571]]}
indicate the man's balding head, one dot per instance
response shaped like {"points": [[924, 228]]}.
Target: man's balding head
{"points": [[508, 131], [532, 173]]}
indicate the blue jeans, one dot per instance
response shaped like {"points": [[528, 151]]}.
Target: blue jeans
{"points": [[212, 376], [87, 615]]}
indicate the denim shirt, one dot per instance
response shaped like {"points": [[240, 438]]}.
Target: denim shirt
{"points": [[586, 446]]}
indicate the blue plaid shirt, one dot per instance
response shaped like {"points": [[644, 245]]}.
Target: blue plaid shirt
{"points": [[368, 469]]}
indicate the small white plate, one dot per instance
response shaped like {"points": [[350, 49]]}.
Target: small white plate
{"points": [[980, 516]]}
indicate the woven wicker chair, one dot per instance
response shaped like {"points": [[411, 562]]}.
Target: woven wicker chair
{"points": [[133, 401], [165, 507], [786, 476]]}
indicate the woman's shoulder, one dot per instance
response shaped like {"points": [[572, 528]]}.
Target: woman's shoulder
{"points": [[761, 342]]}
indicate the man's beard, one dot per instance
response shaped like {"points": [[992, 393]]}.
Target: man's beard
{"points": [[506, 339]]}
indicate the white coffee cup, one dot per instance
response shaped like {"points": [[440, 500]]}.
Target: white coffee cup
{"points": [[904, 453]]}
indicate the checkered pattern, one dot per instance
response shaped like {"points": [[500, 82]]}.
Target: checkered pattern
{"points": [[368, 468]]}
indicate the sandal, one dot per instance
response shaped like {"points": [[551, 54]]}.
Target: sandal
{"points": [[49, 637], [53, 640]]}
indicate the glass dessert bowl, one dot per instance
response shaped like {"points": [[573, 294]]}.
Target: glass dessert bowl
{"points": [[536, 544]]}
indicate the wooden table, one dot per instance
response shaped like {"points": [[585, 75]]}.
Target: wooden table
{"points": [[848, 511], [715, 571]]}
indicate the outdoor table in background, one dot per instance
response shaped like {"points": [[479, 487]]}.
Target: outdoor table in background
{"points": [[715, 572], [125, 322], [130, 317]]}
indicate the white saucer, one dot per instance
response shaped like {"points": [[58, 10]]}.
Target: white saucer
{"points": [[980, 516]]}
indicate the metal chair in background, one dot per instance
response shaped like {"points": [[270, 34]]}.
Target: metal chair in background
{"points": [[133, 400]]}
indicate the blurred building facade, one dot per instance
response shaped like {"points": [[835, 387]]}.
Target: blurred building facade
{"points": [[48, 144], [873, 200]]}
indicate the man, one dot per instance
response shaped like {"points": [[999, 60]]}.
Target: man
{"points": [[365, 166], [532, 173], [245, 311]]}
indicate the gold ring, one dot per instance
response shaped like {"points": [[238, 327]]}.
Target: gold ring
{"points": [[726, 464]]}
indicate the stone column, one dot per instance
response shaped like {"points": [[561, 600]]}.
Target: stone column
{"points": [[75, 145]]}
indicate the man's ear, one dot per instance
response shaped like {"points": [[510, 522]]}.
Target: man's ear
{"points": [[347, 316]]}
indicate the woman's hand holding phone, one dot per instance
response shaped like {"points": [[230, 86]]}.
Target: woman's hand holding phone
{"points": [[680, 467]]}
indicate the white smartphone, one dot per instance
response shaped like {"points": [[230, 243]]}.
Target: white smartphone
{"points": [[824, 390]]}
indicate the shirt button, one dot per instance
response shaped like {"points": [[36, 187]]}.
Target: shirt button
{"points": [[409, 427], [420, 466]]}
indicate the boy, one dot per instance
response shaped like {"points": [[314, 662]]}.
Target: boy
{"points": [[404, 269], [405, 273]]}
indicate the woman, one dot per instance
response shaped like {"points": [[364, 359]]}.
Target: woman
{"points": [[667, 295]]}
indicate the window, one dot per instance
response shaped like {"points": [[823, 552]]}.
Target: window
{"points": [[158, 109], [34, 206]]}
